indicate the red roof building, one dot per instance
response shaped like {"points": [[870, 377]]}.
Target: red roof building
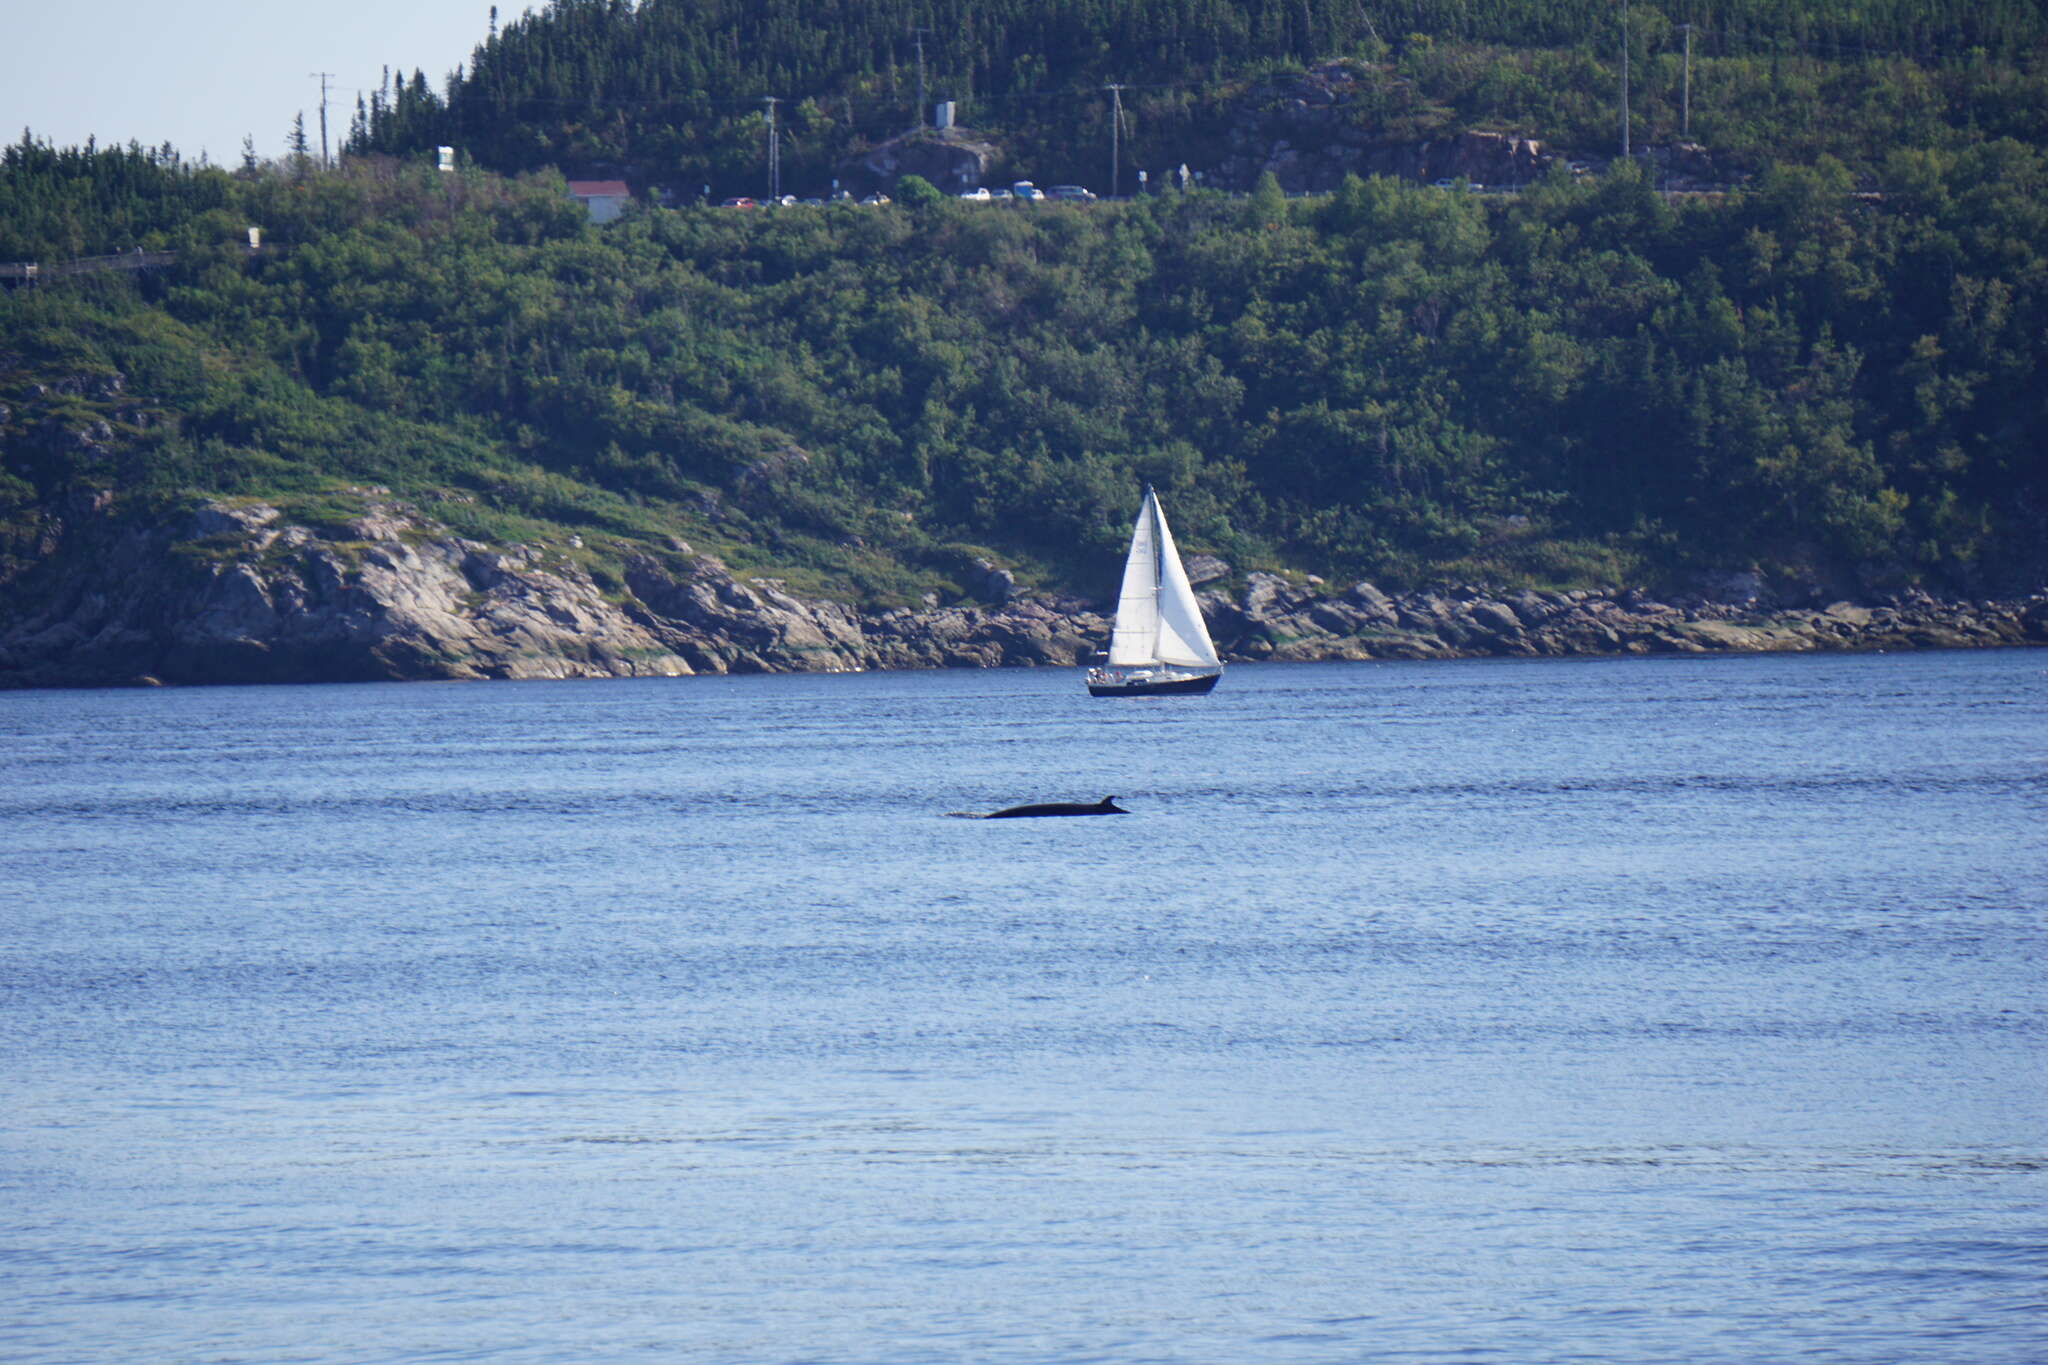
{"points": [[605, 199]]}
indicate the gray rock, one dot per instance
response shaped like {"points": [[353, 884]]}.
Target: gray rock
{"points": [[995, 584], [1493, 616], [1368, 596], [1333, 618], [217, 518], [1266, 595]]}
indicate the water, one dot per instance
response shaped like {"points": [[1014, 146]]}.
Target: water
{"points": [[1639, 1010]]}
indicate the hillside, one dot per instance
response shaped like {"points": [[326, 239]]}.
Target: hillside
{"points": [[1586, 380], [671, 93], [1806, 389]]}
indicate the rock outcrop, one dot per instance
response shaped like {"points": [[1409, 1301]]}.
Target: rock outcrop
{"points": [[232, 593], [1313, 128], [235, 593], [1275, 619], [953, 159]]}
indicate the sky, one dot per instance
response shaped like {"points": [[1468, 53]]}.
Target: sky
{"points": [[202, 74]]}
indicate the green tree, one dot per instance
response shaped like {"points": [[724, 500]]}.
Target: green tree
{"points": [[914, 191], [297, 145]]}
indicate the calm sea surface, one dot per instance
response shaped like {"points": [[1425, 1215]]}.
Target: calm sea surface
{"points": [[1648, 1010]]}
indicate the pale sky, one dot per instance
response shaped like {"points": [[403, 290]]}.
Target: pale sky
{"points": [[202, 73]]}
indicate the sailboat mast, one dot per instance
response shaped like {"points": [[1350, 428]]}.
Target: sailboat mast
{"points": [[1158, 541]]}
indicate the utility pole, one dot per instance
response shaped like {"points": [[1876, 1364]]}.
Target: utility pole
{"points": [[323, 77], [1116, 128], [774, 151], [1685, 107], [1624, 80], [918, 34]]}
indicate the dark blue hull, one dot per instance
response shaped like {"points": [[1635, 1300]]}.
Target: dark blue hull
{"points": [[1179, 687]]}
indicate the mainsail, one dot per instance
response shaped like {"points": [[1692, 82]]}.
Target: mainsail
{"points": [[1157, 618]]}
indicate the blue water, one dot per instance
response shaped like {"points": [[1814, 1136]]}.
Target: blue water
{"points": [[1646, 1010]]}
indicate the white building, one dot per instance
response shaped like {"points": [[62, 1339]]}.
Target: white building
{"points": [[603, 199]]}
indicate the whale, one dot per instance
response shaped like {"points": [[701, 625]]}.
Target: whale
{"points": [[1106, 806]]}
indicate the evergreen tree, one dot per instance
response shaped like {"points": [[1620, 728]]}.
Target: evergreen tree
{"points": [[297, 146]]}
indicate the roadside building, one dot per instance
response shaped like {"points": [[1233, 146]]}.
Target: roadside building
{"points": [[604, 200]]}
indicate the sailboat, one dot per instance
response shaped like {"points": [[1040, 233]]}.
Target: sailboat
{"points": [[1160, 645]]}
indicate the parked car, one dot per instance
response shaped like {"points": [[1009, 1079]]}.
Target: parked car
{"points": [[999, 194], [979, 194], [842, 196], [1072, 194], [1025, 190], [1446, 184], [738, 202], [876, 198]]}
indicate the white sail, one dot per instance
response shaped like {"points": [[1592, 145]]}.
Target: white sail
{"points": [[1157, 618], [1183, 637], [1135, 639]]}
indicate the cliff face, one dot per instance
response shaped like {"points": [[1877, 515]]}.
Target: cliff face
{"points": [[234, 593], [951, 159]]}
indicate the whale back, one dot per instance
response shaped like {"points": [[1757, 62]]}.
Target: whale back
{"points": [[1106, 806]]}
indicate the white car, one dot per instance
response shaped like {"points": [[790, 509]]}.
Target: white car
{"points": [[979, 194], [1024, 189]]}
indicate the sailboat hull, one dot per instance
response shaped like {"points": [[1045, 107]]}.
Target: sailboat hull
{"points": [[1174, 687]]}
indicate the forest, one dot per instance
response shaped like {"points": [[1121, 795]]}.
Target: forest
{"points": [[1832, 369], [1588, 382]]}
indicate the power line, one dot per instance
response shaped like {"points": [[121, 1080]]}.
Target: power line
{"points": [[877, 102], [1779, 44]]}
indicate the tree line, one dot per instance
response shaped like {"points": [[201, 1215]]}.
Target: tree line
{"points": [[670, 90]]}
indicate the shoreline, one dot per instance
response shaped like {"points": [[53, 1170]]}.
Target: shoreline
{"points": [[404, 600]]}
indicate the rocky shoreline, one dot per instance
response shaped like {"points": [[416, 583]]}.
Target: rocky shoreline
{"points": [[237, 594]]}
